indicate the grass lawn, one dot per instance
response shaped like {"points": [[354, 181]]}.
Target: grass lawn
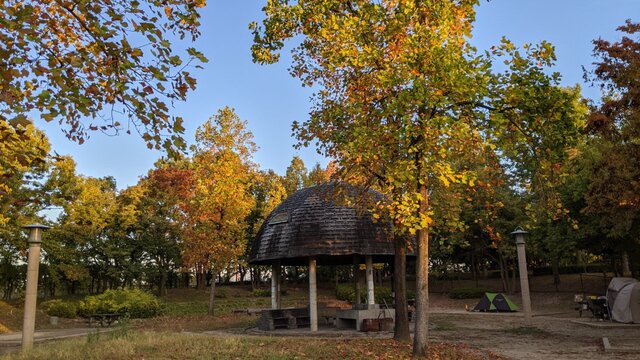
{"points": [[133, 344], [175, 334]]}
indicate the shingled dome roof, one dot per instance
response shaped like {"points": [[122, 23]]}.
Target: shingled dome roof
{"points": [[313, 222]]}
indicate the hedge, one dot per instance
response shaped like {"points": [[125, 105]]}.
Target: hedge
{"points": [[59, 308], [132, 303]]}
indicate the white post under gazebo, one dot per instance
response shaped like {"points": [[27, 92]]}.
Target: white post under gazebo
{"points": [[371, 299], [276, 292], [313, 295]]}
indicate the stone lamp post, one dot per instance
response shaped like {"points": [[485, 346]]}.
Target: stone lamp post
{"points": [[519, 234], [31, 293]]}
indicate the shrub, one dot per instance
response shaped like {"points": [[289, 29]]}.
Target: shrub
{"points": [[131, 303], [383, 294], [466, 293], [346, 292], [262, 292], [60, 308]]}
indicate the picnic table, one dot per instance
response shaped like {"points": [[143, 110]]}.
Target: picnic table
{"points": [[103, 319]]}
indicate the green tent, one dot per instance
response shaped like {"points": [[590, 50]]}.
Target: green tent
{"points": [[495, 302]]}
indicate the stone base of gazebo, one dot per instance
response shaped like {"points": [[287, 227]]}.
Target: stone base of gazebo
{"points": [[353, 318], [295, 318], [292, 318]]}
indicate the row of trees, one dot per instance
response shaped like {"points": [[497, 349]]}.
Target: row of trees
{"points": [[193, 214]]}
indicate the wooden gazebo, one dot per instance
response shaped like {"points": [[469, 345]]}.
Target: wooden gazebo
{"points": [[317, 225]]}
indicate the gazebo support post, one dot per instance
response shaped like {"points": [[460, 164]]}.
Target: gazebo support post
{"points": [[356, 277], [313, 295], [370, 293], [275, 284]]}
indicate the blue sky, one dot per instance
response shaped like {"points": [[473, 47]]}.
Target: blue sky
{"points": [[269, 99]]}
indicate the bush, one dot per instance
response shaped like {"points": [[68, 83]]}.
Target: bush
{"points": [[466, 293], [346, 292], [262, 292], [131, 303], [60, 308], [383, 294]]}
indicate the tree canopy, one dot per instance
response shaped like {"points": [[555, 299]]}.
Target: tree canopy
{"points": [[97, 65]]}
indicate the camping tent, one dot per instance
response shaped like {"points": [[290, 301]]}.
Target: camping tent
{"points": [[623, 299], [495, 302]]}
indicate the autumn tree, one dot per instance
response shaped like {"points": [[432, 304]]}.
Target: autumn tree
{"points": [[220, 200], [88, 236], [99, 65], [296, 176], [23, 161], [614, 192], [159, 227], [268, 192], [539, 130], [23, 165], [397, 78], [63, 250], [401, 96], [319, 175]]}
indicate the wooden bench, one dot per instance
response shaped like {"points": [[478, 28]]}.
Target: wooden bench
{"points": [[103, 319]]}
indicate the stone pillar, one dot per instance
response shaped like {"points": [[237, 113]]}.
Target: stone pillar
{"points": [[275, 284], [371, 299], [279, 285], [524, 274], [313, 295], [31, 292], [356, 278]]}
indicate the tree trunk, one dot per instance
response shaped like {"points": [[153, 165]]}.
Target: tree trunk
{"points": [[474, 269], [401, 329], [186, 276], [201, 279], [502, 273], [626, 270], [212, 296], [555, 266], [421, 335], [162, 289], [242, 271]]}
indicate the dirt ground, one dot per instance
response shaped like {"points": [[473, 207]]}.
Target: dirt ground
{"points": [[553, 334], [556, 331]]}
